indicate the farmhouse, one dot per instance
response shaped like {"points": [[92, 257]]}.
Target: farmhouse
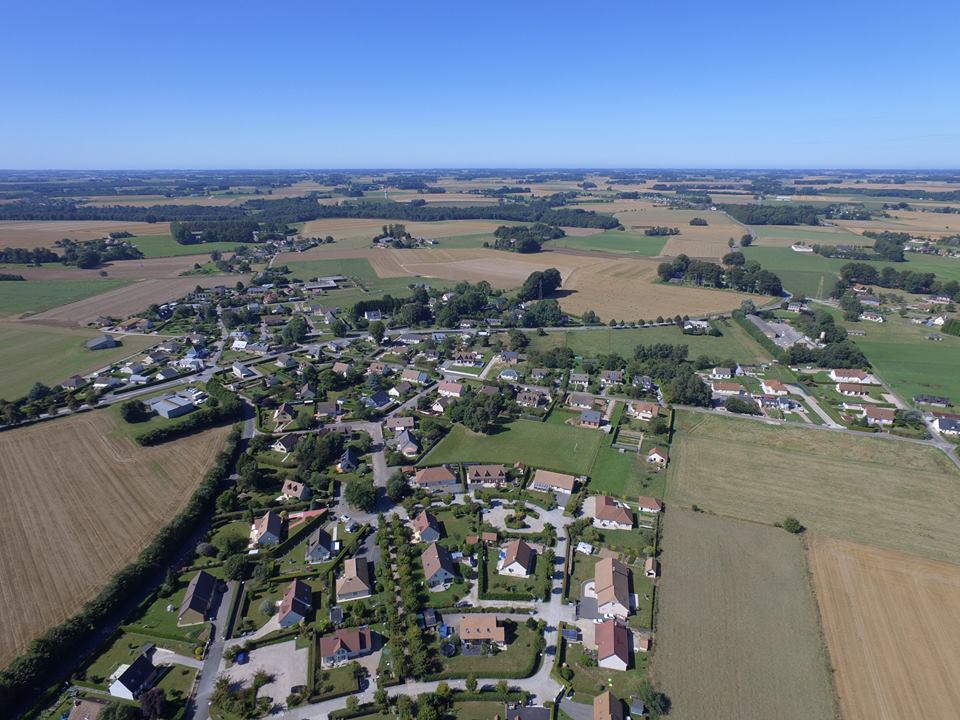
{"points": [[448, 388], [606, 706], [355, 582], [848, 376], [486, 475], [612, 515], [344, 645], [549, 481], [296, 603], [851, 389], [643, 410], [657, 456], [948, 426], [293, 490], [267, 529], [130, 681], [477, 628], [613, 645], [773, 387], [438, 567], [880, 416], [319, 547], [432, 478], [425, 528], [198, 600], [102, 342], [649, 505], [611, 581], [516, 559]]}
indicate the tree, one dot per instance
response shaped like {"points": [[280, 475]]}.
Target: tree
{"points": [[377, 330], [382, 701], [748, 307], [352, 703], [791, 525], [153, 703], [397, 487], [361, 494], [169, 583], [471, 683], [133, 411], [503, 689], [746, 240], [38, 392], [118, 711], [235, 568]]}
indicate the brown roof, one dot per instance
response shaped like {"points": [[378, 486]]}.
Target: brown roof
{"points": [[846, 372], [200, 594], [555, 479], [489, 536], [404, 421], [855, 388], [656, 451], [775, 385], [439, 475], [612, 582], [292, 488], [423, 521], [610, 510], [341, 367], [613, 639], [269, 522], [353, 641], [450, 386], [606, 706], [486, 473], [471, 539], [481, 626], [878, 413], [646, 407], [298, 598], [356, 576], [649, 502], [434, 558], [518, 551], [727, 387]]}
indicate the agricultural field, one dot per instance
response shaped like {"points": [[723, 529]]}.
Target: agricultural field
{"points": [[164, 246], [889, 621], [36, 296], [81, 501], [359, 232], [787, 235], [614, 241], [169, 267], [908, 221], [892, 494], [738, 635], [44, 233], [47, 354], [556, 447]]}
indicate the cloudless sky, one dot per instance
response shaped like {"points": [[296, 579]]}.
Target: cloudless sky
{"points": [[635, 83]]}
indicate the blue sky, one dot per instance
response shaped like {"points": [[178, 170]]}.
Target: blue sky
{"points": [[456, 84]]}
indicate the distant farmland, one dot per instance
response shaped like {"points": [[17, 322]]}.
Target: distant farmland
{"points": [[80, 501]]}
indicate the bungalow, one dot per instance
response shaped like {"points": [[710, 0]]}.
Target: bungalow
{"points": [[355, 582], [284, 361], [530, 398], [549, 481], [400, 389], [509, 375], [296, 603], [267, 529], [612, 515], [649, 505], [327, 409], [880, 416], [284, 414], [344, 645], [486, 475], [516, 559], [130, 681], [191, 364], [651, 568], [410, 339], [198, 600], [377, 400], [580, 380], [590, 419], [643, 410], [74, 382], [417, 377], [613, 645], [580, 400], [166, 373], [293, 490], [426, 529], [607, 706], [448, 388], [851, 389], [658, 456], [610, 377], [102, 342], [341, 368], [947, 425], [242, 372], [477, 628], [438, 567], [721, 373], [239, 345], [349, 461], [132, 368], [320, 547], [435, 478], [773, 387], [848, 375], [725, 388], [102, 382], [611, 581], [400, 423], [406, 445]]}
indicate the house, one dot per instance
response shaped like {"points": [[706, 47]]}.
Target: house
{"points": [[581, 401], [643, 410], [848, 375], [406, 445], [430, 355], [417, 377], [649, 505], [613, 645], [486, 475], [198, 600], [139, 379], [438, 568], [590, 419], [509, 375], [538, 374], [341, 368], [658, 456], [86, 709], [349, 461], [344, 645], [607, 706], [284, 414], [355, 582], [372, 315], [152, 358], [947, 425], [285, 444], [611, 581], [477, 628], [651, 568], [611, 514], [528, 713], [130, 681], [241, 371], [400, 423], [166, 373], [440, 405], [508, 357], [549, 481], [773, 387], [426, 529], [74, 382], [939, 400], [872, 317], [435, 478], [448, 388], [610, 377], [516, 559], [880, 416], [101, 382], [326, 409], [725, 388], [400, 389], [306, 393], [721, 373], [580, 380], [320, 547], [376, 401], [132, 368], [171, 406], [466, 358], [268, 528], [530, 398], [410, 339], [101, 342], [284, 361], [296, 603], [293, 490], [851, 389], [378, 368]]}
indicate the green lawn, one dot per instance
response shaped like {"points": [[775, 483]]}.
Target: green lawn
{"points": [[555, 447], [371, 286], [614, 241], [47, 354], [497, 583], [583, 570], [334, 681], [157, 619], [34, 296], [161, 246], [177, 683], [809, 236], [477, 710], [591, 681], [624, 475], [514, 660], [455, 529], [123, 651]]}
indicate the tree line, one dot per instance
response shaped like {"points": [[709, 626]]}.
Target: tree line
{"points": [[920, 283], [738, 274], [785, 214]]}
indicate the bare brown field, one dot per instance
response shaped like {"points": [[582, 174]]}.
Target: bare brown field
{"points": [[131, 299], [43, 233], [908, 221], [737, 631], [80, 501], [120, 269], [890, 623]]}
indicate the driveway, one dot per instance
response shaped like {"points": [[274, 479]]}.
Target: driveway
{"points": [[497, 516], [283, 661], [211, 663]]}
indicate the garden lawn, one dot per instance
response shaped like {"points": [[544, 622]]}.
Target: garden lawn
{"points": [[591, 681], [555, 447], [34, 296], [497, 583], [624, 475], [156, 618], [177, 682], [336, 681], [477, 710], [515, 661]]}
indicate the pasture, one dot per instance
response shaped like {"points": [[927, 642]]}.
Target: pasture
{"points": [[164, 246], [889, 620], [43, 353], [562, 448], [37, 296], [44, 233], [80, 503], [615, 241], [738, 635], [892, 494]]}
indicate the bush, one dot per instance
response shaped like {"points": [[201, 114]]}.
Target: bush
{"points": [[792, 525]]}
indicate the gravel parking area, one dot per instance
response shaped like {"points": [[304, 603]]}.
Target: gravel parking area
{"points": [[287, 665]]}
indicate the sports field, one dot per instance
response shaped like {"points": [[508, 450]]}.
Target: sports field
{"points": [[43, 353], [556, 447], [892, 494], [890, 624], [737, 632], [80, 501], [36, 296]]}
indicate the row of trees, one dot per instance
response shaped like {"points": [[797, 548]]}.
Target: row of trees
{"points": [[196, 232], [888, 277]]}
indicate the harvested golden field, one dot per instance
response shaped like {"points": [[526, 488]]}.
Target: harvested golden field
{"points": [[367, 229], [43, 233], [890, 623], [737, 629], [908, 221], [80, 501], [131, 299], [891, 494], [169, 267]]}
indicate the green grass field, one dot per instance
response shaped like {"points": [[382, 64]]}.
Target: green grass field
{"points": [[161, 246], [799, 233], [624, 475], [734, 344], [360, 271], [47, 354], [555, 447], [891, 494], [34, 296], [615, 241]]}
